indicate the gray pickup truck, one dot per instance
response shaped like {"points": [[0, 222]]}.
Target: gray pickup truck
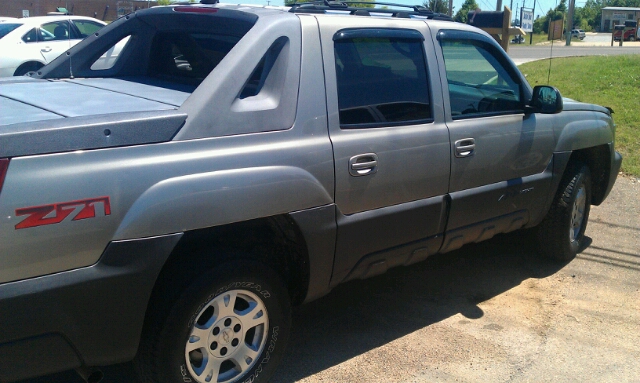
{"points": [[171, 185]]}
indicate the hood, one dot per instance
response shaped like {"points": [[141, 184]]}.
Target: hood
{"points": [[573, 105], [28, 100]]}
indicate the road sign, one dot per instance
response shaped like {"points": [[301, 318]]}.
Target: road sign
{"points": [[526, 22]]}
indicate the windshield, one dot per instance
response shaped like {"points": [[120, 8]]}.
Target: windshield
{"points": [[5, 28]]}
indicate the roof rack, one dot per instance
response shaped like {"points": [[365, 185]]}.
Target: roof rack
{"points": [[322, 6]]}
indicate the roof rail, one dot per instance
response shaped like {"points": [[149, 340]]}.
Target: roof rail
{"points": [[321, 6]]}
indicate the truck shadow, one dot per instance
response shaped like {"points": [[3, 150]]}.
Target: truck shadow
{"points": [[359, 316]]}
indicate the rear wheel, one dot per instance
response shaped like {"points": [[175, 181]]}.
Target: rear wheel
{"points": [[561, 233], [230, 325], [27, 67]]}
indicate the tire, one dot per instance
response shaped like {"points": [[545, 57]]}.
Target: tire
{"points": [[230, 325], [561, 234], [27, 67]]}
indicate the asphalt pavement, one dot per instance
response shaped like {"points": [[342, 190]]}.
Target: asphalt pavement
{"points": [[594, 44]]}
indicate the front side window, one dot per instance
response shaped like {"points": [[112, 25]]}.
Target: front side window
{"points": [[382, 81], [479, 84], [59, 30]]}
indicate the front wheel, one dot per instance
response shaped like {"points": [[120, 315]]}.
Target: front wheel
{"points": [[561, 233], [231, 325]]}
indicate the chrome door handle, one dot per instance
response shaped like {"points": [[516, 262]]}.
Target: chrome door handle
{"points": [[363, 164], [465, 147]]}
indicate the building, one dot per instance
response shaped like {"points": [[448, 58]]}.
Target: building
{"points": [[106, 10], [617, 16]]}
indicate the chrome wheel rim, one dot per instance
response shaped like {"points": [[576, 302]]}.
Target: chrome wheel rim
{"points": [[577, 213], [227, 337]]}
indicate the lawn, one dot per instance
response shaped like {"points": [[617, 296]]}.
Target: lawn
{"points": [[612, 81]]}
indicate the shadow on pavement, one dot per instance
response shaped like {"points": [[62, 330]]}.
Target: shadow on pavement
{"points": [[362, 315]]}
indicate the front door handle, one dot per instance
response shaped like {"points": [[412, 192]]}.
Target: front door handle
{"points": [[465, 147], [46, 49], [363, 164]]}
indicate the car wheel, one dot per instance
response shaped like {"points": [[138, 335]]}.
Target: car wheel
{"points": [[230, 325], [27, 67], [632, 38], [561, 233]]}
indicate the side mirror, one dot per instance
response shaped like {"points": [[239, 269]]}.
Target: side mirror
{"points": [[546, 99]]}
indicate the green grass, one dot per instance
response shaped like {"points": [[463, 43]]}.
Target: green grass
{"points": [[537, 38], [612, 81]]}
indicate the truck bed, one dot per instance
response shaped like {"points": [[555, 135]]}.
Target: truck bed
{"points": [[55, 99]]}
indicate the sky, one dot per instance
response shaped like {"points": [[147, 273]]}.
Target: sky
{"points": [[542, 6]]}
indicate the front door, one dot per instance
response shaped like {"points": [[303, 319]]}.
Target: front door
{"points": [[499, 154]]}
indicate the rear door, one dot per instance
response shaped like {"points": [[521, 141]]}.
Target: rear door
{"points": [[391, 146]]}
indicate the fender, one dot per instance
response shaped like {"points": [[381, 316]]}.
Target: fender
{"points": [[585, 132], [215, 198]]}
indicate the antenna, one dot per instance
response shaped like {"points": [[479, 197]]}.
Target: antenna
{"points": [[69, 53], [553, 34]]}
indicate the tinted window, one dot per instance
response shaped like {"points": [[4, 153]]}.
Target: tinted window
{"points": [[382, 81], [478, 83], [188, 57], [5, 28], [87, 27]]}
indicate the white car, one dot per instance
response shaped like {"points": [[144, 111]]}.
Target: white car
{"points": [[30, 43]]}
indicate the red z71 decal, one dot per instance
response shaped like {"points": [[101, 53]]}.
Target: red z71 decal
{"points": [[42, 215]]}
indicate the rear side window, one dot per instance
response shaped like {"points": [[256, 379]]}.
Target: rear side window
{"points": [[87, 27], [381, 78], [31, 36]]}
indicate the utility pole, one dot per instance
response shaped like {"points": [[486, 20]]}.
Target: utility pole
{"points": [[569, 25], [451, 8], [534, 20], [499, 5]]}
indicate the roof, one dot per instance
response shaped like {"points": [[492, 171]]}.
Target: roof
{"points": [[621, 9]]}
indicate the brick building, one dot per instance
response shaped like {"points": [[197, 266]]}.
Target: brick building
{"points": [[107, 10]]}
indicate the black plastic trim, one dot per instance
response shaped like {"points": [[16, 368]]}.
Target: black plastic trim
{"points": [[96, 311], [393, 33], [90, 132], [318, 227]]}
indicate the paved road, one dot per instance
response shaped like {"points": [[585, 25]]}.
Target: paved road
{"points": [[594, 44], [521, 55]]}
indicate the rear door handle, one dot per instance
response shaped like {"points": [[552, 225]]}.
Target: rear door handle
{"points": [[46, 49], [363, 164], [465, 147]]}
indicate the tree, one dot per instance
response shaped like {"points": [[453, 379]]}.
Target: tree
{"points": [[438, 6], [163, 2], [467, 6]]}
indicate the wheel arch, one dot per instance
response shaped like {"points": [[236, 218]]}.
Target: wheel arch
{"points": [[598, 159], [276, 242], [39, 65]]}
